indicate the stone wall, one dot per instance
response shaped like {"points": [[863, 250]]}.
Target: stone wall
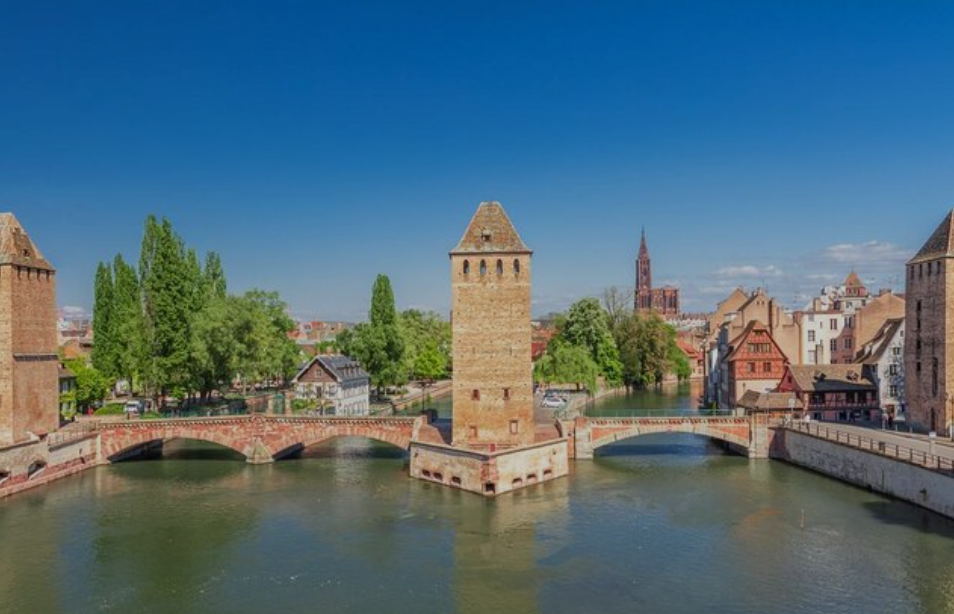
{"points": [[32, 464], [928, 343], [908, 482], [490, 474]]}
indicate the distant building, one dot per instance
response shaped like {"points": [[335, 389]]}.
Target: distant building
{"points": [[833, 392], [850, 296], [754, 361], [337, 380], [883, 357], [929, 322], [664, 301], [865, 323], [67, 385], [695, 357], [823, 336]]}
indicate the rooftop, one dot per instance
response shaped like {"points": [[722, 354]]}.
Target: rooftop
{"points": [[490, 231], [939, 244], [16, 246]]}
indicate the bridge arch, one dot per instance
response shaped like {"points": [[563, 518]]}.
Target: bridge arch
{"points": [[306, 435], [116, 442], [734, 431]]}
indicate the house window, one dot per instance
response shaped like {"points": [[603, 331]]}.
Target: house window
{"points": [[811, 336], [893, 369], [514, 427], [833, 324], [750, 367], [506, 394], [767, 367], [475, 395], [833, 345], [848, 343], [893, 390]]}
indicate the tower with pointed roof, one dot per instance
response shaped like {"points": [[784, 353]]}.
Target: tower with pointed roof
{"points": [[493, 378], [664, 301], [29, 395], [929, 332]]}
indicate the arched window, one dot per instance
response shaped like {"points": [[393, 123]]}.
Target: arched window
{"points": [[499, 267], [516, 266], [483, 268], [466, 267]]}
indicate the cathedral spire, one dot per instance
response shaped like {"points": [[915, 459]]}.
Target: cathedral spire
{"points": [[642, 243]]}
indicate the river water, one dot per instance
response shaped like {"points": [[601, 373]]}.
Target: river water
{"points": [[662, 524]]}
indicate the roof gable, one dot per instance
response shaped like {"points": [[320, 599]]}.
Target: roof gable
{"points": [[490, 231], [939, 244], [16, 246]]}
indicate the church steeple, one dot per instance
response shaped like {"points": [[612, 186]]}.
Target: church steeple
{"points": [[644, 277], [643, 250]]}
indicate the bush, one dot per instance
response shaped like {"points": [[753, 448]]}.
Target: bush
{"points": [[301, 405], [110, 409], [151, 415]]}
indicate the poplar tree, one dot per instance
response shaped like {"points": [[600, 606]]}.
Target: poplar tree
{"points": [[104, 335], [127, 319]]}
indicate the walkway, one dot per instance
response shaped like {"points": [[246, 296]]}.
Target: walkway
{"points": [[910, 447]]}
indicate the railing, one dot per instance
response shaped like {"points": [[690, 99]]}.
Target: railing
{"points": [[876, 446], [665, 413]]}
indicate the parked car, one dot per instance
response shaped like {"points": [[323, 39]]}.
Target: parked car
{"points": [[132, 407], [553, 402]]}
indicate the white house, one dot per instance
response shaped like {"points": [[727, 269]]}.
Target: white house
{"points": [[883, 357], [336, 380]]}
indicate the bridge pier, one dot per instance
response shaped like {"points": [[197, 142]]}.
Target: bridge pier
{"points": [[258, 453]]}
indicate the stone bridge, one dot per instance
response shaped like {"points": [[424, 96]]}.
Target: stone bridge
{"points": [[746, 435], [260, 438]]}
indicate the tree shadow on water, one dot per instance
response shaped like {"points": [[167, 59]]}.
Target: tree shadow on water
{"points": [[901, 513]]}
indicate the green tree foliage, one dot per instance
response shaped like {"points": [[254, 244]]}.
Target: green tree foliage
{"points": [[104, 350], [428, 344], [649, 351], [174, 329], [92, 385], [127, 320], [379, 344], [586, 325], [565, 363]]}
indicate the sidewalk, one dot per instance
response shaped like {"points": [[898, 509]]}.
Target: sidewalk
{"points": [[943, 447]]}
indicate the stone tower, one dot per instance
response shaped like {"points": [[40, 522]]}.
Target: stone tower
{"points": [[29, 390], [929, 332], [644, 277], [493, 377]]}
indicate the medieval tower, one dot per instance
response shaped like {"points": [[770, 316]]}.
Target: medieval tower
{"points": [[28, 360], [929, 332], [493, 377]]}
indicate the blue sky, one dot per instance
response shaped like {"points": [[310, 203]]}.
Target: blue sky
{"points": [[317, 144]]}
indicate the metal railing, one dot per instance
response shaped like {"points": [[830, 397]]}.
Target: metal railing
{"points": [[664, 413], [876, 446]]}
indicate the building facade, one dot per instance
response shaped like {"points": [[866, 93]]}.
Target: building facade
{"points": [[929, 338], [664, 301], [493, 377], [883, 359], [337, 381], [29, 365], [754, 362], [833, 392]]}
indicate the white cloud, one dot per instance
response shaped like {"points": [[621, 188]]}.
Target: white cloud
{"points": [[72, 310], [749, 270], [868, 255]]}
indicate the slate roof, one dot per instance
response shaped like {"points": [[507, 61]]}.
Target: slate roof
{"points": [[490, 231], [342, 368], [832, 378], [16, 246], [940, 244], [769, 401], [878, 345]]}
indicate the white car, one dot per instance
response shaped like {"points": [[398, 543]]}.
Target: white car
{"points": [[553, 402], [132, 407]]}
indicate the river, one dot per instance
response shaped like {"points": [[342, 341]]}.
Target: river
{"points": [[663, 524]]}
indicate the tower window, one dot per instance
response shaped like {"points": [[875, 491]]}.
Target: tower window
{"points": [[466, 267], [514, 427], [483, 268], [499, 267], [516, 266], [473, 432], [506, 394], [475, 395]]}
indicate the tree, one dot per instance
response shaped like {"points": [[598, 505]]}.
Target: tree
{"points": [[104, 336], [92, 385], [586, 325], [648, 350], [379, 346], [425, 332], [127, 321], [618, 304], [564, 363]]}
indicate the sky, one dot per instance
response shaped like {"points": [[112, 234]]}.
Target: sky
{"points": [[315, 145]]}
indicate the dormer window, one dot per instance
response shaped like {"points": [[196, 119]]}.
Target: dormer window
{"points": [[485, 235]]}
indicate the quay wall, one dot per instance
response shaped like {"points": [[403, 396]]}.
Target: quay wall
{"points": [[35, 463], [897, 478]]}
